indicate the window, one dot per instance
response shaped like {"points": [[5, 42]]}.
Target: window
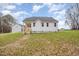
{"points": [[54, 24], [47, 24], [33, 24], [42, 24]]}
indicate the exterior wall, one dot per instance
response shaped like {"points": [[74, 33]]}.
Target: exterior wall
{"points": [[16, 28], [38, 27]]}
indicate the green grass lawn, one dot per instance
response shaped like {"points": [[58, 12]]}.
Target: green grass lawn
{"points": [[56, 43], [53, 43], [8, 38], [57, 37]]}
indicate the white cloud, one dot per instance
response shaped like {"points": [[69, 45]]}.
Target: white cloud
{"points": [[58, 12], [20, 14], [19, 4], [10, 7], [53, 8], [60, 16], [62, 12], [5, 12], [61, 24], [36, 8], [48, 4], [7, 6]]}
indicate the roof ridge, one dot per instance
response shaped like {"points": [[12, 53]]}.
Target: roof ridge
{"points": [[41, 18]]}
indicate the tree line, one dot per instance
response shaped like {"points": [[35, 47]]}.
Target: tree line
{"points": [[72, 16]]}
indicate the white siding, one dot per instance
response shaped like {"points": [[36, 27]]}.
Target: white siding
{"points": [[38, 27], [16, 28]]}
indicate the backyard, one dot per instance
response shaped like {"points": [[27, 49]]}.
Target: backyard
{"points": [[8, 38], [52, 43]]}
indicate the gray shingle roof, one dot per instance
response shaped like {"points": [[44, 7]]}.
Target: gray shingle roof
{"points": [[49, 19]]}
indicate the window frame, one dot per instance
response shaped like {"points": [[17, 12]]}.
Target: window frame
{"points": [[42, 24], [47, 24], [55, 24]]}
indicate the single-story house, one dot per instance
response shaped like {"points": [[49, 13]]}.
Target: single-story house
{"points": [[41, 24]]}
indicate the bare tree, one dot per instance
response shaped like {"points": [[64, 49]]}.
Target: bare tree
{"points": [[72, 16], [6, 22]]}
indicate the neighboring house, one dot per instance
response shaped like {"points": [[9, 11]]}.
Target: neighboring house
{"points": [[17, 28], [41, 24], [12, 24]]}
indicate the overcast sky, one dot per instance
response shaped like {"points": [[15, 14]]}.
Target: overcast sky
{"points": [[20, 11]]}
